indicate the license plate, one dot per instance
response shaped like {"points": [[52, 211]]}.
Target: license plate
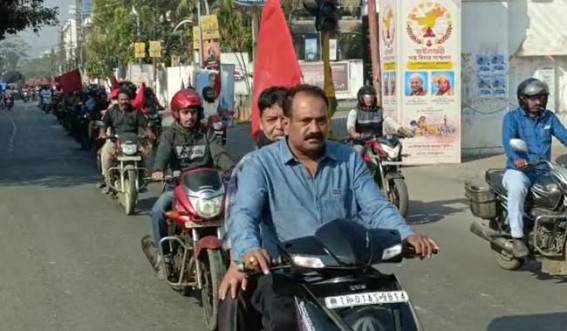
{"points": [[129, 158], [392, 163], [363, 299]]}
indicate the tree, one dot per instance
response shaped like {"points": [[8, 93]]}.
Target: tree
{"points": [[12, 50], [39, 67], [18, 15]]}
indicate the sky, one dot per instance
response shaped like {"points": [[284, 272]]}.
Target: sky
{"points": [[48, 37]]}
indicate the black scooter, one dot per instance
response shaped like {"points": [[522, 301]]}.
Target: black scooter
{"points": [[337, 287]]}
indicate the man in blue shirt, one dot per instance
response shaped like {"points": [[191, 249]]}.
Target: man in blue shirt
{"points": [[303, 182], [534, 124]]}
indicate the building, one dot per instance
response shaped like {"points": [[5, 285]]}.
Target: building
{"points": [[530, 36], [68, 44]]}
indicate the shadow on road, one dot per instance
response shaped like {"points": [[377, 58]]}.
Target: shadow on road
{"points": [[421, 212], [64, 170], [542, 322]]}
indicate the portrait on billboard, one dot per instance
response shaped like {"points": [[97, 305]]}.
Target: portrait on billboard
{"points": [[392, 83], [416, 83], [385, 84], [443, 83]]}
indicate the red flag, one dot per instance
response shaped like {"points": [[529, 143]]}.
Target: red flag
{"points": [[114, 83], [275, 63], [140, 98], [217, 83], [71, 81]]}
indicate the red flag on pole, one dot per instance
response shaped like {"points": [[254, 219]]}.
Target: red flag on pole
{"points": [[71, 81], [140, 98], [275, 63]]}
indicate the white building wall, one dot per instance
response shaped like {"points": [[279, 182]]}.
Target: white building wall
{"points": [[510, 28]]}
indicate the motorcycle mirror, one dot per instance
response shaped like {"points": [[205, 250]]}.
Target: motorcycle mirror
{"points": [[518, 145]]}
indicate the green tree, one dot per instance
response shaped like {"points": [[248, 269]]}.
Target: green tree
{"points": [[12, 50], [18, 15], [39, 67]]}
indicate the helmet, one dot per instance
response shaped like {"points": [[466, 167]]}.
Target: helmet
{"points": [[529, 88], [366, 90], [185, 98]]}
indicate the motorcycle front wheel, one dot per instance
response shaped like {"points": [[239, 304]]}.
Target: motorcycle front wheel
{"points": [[130, 193], [400, 195], [213, 270]]}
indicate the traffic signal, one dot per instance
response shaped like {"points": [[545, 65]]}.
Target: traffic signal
{"points": [[325, 12]]}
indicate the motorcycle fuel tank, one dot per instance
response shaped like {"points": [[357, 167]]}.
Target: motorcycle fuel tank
{"points": [[546, 193]]}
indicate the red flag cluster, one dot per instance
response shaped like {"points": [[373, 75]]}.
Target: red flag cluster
{"points": [[275, 62], [70, 81]]}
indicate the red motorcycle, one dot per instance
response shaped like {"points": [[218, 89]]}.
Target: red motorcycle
{"points": [[195, 227]]}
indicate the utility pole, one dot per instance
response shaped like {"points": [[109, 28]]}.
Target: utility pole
{"points": [[79, 32], [326, 21], [374, 51]]}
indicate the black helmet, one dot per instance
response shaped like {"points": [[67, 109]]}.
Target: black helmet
{"points": [[366, 90], [529, 88]]}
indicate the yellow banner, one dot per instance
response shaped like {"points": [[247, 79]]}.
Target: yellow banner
{"points": [[139, 50], [195, 37], [155, 48], [210, 27]]}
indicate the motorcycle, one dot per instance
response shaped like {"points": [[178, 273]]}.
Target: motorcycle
{"points": [[336, 287], [9, 103], [217, 125], [545, 216], [383, 156], [195, 227], [126, 179], [154, 122]]}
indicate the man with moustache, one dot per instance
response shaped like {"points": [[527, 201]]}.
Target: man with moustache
{"points": [[292, 187], [235, 310]]}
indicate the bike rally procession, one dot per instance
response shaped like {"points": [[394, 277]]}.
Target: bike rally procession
{"points": [[283, 165]]}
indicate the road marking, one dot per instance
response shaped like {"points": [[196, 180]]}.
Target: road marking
{"points": [[13, 136]]}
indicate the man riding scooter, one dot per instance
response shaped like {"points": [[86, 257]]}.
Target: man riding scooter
{"points": [[185, 145], [367, 119], [534, 124], [121, 118]]}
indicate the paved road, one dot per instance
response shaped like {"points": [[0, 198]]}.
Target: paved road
{"points": [[71, 259]]}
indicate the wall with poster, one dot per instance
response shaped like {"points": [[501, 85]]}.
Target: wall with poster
{"points": [[421, 62]]}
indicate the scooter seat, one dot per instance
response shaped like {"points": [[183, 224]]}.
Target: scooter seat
{"points": [[495, 177]]}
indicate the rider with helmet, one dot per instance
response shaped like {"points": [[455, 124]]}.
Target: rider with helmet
{"points": [[535, 124], [186, 144], [367, 119]]}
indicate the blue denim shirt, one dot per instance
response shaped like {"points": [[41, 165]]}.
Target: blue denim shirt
{"points": [[536, 132], [299, 204]]}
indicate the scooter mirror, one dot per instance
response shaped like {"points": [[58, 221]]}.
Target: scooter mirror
{"points": [[518, 145]]}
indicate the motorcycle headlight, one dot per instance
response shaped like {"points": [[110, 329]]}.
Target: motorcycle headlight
{"points": [[392, 152], [129, 149], [207, 208]]}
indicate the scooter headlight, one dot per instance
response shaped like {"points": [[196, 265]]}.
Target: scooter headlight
{"points": [[129, 149], [207, 208]]}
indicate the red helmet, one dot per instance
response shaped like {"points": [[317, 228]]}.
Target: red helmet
{"points": [[185, 98]]}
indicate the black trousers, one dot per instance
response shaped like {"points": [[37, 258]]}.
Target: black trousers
{"points": [[267, 304]]}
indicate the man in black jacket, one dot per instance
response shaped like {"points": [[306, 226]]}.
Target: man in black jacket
{"points": [[184, 146]]}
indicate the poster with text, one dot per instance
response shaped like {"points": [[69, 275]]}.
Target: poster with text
{"points": [[388, 41], [430, 61]]}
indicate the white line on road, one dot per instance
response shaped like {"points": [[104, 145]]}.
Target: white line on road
{"points": [[13, 136]]}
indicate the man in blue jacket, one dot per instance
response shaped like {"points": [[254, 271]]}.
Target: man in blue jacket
{"points": [[292, 187], [534, 124]]}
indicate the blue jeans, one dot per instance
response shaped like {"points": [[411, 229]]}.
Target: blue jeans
{"points": [[517, 184], [158, 226]]}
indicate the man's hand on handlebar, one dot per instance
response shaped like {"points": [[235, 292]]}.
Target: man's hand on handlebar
{"points": [[418, 245], [520, 163], [158, 176], [257, 259]]}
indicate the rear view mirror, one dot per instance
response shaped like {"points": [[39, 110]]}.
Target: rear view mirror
{"points": [[518, 145]]}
